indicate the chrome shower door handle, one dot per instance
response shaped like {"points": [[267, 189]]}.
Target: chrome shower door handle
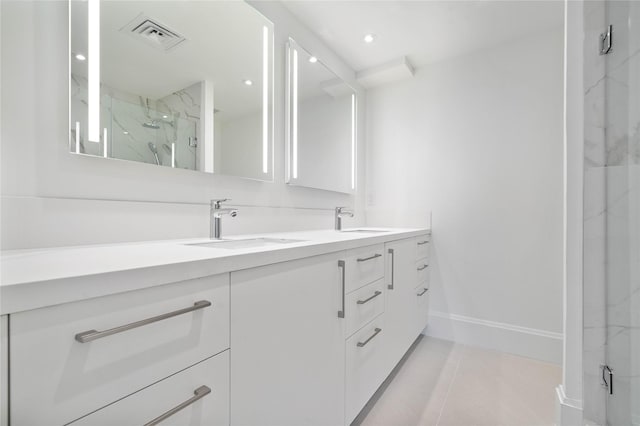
{"points": [[89, 335], [341, 265], [422, 268], [198, 394], [424, 290], [391, 252]]}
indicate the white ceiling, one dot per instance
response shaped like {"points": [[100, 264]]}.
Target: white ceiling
{"points": [[425, 31]]}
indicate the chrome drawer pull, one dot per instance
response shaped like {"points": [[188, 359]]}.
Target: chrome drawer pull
{"points": [[341, 265], [422, 242], [362, 302], [199, 393], [391, 252], [360, 259], [89, 335], [375, 333], [422, 268], [424, 290]]}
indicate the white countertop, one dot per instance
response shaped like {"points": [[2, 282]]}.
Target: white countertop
{"points": [[31, 279]]}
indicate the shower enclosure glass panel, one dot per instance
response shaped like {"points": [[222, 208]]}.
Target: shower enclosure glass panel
{"points": [[622, 109], [612, 214], [137, 131]]}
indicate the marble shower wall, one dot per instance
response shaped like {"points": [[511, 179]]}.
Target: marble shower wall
{"points": [[177, 117], [612, 213]]}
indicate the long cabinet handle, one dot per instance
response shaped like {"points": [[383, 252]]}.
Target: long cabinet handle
{"points": [[89, 335], [199, 393], [422, 268], [390, 286], [364, 259], [341, 265], [424, 290], [375, 333], [422, 242], [362, 302]]}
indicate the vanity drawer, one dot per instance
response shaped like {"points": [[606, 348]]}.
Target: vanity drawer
{"points": [[363, 305], [363, 266], [205, 385], [365, 369], [423, 243], [422, 269], [65, 379]]}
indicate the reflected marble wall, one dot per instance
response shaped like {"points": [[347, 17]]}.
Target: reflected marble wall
{"points": [[612, 214], [172, 125]]}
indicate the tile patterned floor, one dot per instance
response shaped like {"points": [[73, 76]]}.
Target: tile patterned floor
{"points": [[447, 384]]}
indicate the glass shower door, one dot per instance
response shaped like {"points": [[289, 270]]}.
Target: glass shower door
{"points": [[622, 138]]}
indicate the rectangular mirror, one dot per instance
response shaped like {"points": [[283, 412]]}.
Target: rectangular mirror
{"points": [[181, 84], [321, 111]]}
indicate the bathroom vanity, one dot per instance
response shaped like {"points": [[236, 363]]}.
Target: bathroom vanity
{"points": [[286, 329]]}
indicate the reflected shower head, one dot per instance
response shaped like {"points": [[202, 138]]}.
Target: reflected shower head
{"points": [[153, 124]]}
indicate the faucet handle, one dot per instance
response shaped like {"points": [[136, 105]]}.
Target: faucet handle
{"points": [[344, 210], [216, 203]]}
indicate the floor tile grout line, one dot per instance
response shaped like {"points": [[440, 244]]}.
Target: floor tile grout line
{"points": [[446, 397]]}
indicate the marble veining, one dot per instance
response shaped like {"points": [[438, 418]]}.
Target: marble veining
{"points": [[176, 116], [612, 214]]}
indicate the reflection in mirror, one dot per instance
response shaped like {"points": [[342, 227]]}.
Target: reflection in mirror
{"points": [[182, 84], [322, 129]]}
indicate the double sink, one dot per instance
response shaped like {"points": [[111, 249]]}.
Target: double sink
{"points": [[264, 242]]}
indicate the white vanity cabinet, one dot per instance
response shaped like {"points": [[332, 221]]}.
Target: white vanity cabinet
{"points": [[287, 344], [401, 309], [281, 337], [57, 378]]}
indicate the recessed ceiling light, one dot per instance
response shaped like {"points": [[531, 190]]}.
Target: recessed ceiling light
{"points": [[125, 132], [313, 59], [247, 82], [80, 57], [165, 116], [368, 38]]}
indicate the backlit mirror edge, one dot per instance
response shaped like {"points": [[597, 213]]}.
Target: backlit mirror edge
{"points": [[268, 128], [291, 170]]}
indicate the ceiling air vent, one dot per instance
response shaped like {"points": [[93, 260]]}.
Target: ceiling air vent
{"points": [[153, 33]]}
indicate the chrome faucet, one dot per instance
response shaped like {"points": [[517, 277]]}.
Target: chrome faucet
{"points": [[215, 224], [340, 212]]}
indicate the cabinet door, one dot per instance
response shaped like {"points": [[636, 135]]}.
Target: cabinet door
{"points": [[401, 278], [287, 344]]}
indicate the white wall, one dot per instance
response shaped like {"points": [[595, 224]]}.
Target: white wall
{"points": [[51, 198], [478, 142]]}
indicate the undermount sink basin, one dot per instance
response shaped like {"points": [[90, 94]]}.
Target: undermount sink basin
{"points": [[364, 230], [248, 243]]}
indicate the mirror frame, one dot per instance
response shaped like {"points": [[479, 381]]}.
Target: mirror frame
{"points": [[291, 121], [94, 135]]}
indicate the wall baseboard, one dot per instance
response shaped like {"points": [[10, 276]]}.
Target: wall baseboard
{"points": [[528, 342], [568, 411]]}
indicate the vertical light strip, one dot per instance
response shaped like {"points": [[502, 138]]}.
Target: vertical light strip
{"points": [[294, 118], [77, 137], [265, 99], [105, 141], [93, 133], [173, 154], [353, 141]]}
